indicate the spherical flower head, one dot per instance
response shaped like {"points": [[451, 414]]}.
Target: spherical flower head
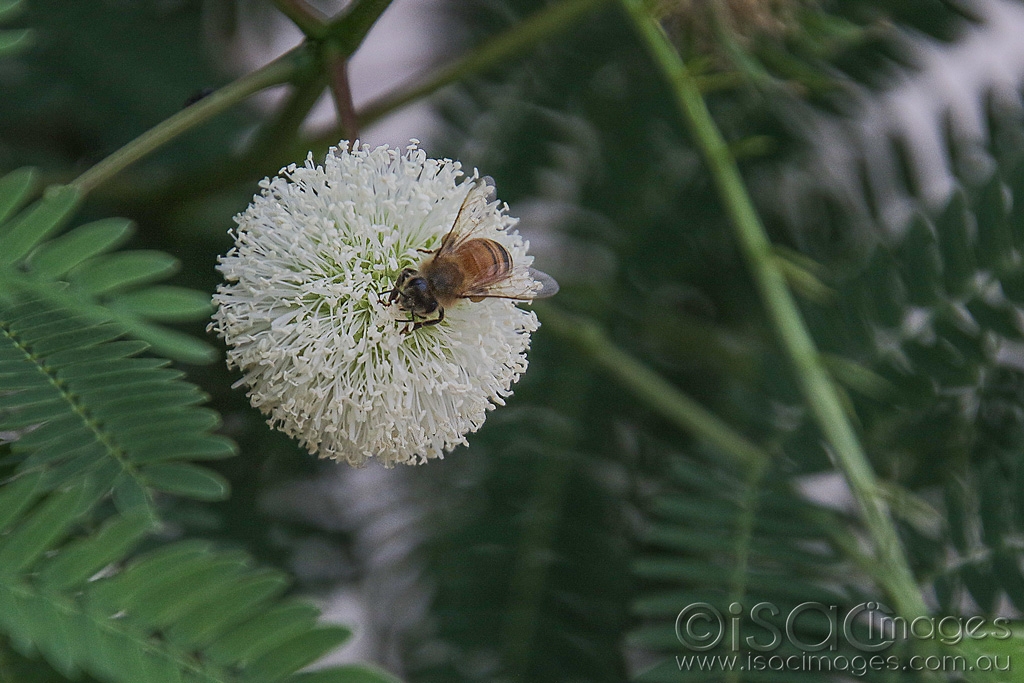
{"points": [[323, 349]]}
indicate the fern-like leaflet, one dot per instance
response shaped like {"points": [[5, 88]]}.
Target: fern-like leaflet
{"points": [[91, 432]]}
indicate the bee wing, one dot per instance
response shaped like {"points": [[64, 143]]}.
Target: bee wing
{"points": [[515, 288], [470, 214], [548, 286]]}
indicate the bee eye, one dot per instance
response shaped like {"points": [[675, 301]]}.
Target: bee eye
{"points": [[420, 284]]}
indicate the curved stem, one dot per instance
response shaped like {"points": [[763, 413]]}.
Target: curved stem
{"points": [[347, 31], [648, 385], [539, 26], [309, 19], [337, 71], [281, 70], [280, 130], [815, 383]]}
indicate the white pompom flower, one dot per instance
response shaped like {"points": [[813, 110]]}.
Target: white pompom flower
{"points": [[328, 359]]}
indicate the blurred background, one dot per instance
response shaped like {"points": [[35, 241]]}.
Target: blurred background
{"points": [[878, 139]]}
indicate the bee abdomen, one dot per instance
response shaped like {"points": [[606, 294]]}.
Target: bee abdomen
{"points": [[489, 258]]}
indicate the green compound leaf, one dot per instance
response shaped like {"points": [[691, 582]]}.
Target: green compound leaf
{"points": [[102, 424], [79, 272], [943, 307]]}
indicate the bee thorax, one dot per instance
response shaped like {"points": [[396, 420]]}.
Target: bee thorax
{"points": [[445, 279]]}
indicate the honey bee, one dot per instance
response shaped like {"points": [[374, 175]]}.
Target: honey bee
{"points": [[464, 267]]}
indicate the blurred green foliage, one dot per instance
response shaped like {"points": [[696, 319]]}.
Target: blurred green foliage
{"points": [[563, 543]]}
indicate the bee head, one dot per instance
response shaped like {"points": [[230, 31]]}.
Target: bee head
{"points": [[414, 295]]}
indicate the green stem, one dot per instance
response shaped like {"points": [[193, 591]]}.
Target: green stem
{"points": [[337, 71], [648, 385], [309, 19], [347, 31], [280, 130], [817, 387], [542, 25], [279, 71]]}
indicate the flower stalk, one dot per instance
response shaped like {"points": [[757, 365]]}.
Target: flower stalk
{"points": [[815, 383]]}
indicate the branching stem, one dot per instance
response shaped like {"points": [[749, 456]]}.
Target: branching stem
{"points": [[540, 26], [816, 385]]}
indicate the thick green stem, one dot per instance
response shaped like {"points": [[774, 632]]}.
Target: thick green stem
{"points": [[337, 70], [280, 131], [309, 19], [347, 31], [281, 70], [648, 385], [815, 383]]}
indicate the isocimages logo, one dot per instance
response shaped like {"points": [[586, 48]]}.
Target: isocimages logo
{"points": [[867, 627]]}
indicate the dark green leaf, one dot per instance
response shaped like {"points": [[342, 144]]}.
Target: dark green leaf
{"points": [[920, 263], [995, 242], [105, 274], [954, 232], [186, 480], [264, 633], [999, 319], [241, 602], [178, 448], [56, 257], [175, 344], [978, 580], [167, 304], [942, 362], [15, 188], [35, 223], [16, 496], [78, 561], [295, 654], [43, 527], [130, 495]]}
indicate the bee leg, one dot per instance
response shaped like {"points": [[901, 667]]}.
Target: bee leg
{"points": [[417, 324], [439, 318], [391, 295], [411, 325], [427, 251]]}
